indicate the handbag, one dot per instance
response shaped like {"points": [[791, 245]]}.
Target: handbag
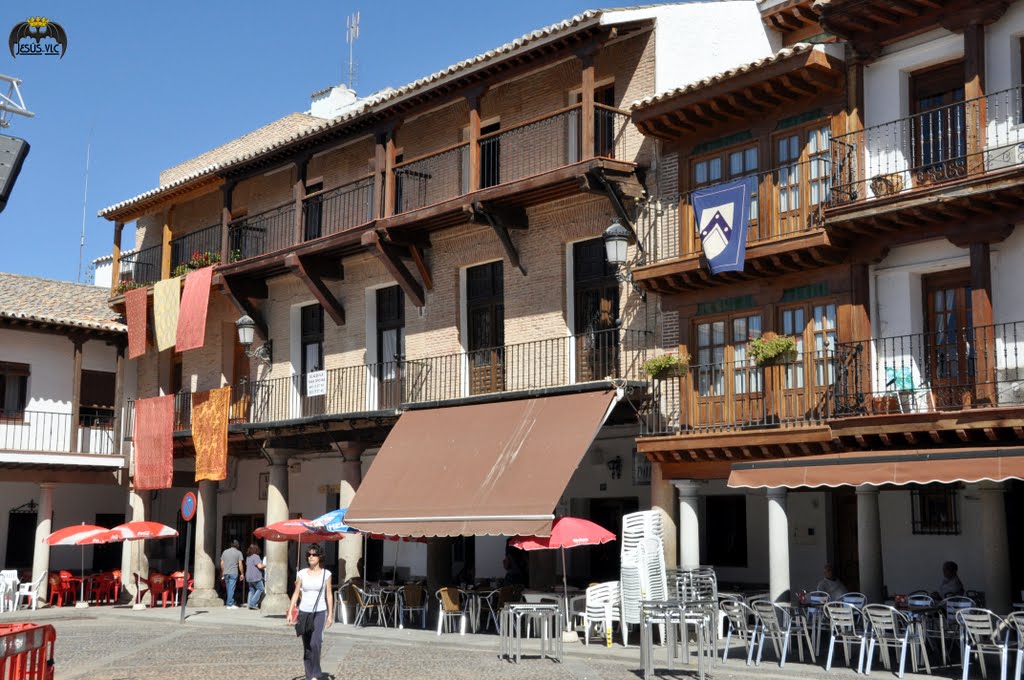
{"points": [[304, 621]]}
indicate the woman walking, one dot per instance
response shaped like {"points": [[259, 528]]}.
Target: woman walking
{"points": [[254, 575], [315, 610]]}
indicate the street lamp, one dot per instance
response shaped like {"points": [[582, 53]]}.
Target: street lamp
{"points": [[246, 334], [616, 242]]}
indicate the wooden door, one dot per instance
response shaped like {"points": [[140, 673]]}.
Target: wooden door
{"points": [[485, 312], [794, 394], [390, 346], [729, 387], [313, 212], [938, 144], [240, 396], [21, 533], [596, 312], [312, 330], [240, 528], [802, 180], [949, 338]]}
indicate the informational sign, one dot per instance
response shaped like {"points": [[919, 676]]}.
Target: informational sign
{"points": [[188, 506], [316, 383]]}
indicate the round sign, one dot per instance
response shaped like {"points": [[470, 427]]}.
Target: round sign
{"points": [[188, 506]]}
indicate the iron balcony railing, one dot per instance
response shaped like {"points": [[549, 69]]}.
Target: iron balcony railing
{"points": [[195, 250], [947, 143], [954, 368], [46, 432], [265, 232], [140, 268], [338, 209], [785, 201]]}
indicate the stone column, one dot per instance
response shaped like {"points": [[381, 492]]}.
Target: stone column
{"points": [[663, 500], [350, 550], [133, 553], [778, 546], [869, 543], [44, 527], [278, 595], [205, 569], [439, 570], [689, 524], [995, 547]]}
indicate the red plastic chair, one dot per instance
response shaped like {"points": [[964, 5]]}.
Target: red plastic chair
{"points": [[180, 580], [58, 589], [103, 588], [160, 586], [117, 585], [71, 584]]}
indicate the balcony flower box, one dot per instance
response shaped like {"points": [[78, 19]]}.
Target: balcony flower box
{"points": [[772, 349], [887, 185], [667, 366]]}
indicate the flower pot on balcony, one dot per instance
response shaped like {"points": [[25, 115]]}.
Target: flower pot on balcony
{"points": [[887, 185], [772, 349], [667, 366]]}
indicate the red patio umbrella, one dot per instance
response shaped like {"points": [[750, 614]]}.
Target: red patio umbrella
{"points": [[73, 535], [298, 531], [566, 532], [134, 531]]}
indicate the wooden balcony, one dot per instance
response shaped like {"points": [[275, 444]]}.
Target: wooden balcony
{"points": [[954, 163], [959, 387], [786, 232]]}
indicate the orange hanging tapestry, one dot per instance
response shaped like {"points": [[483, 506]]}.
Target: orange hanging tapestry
{"points": [[210, 432]]}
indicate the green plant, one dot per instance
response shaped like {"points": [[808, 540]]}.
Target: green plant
{"points": [[772, 348], [666, 365], [128, 284]]}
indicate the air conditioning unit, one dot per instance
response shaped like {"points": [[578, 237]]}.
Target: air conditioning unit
{"points": [[1010, 386]]}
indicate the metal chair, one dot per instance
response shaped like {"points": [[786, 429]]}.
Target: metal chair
{"points": [[450, 600], [413, 601], [846, 625], [814, 601], [1016, 622], [892, 629], [984, 633], [858, 600], [946, 627], [738, 618], [367, 601], [780, 625]]}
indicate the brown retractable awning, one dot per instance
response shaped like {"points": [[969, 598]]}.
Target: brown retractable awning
{"points": [[494, 469], [877, 468]]}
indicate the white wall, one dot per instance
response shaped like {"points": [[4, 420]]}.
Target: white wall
{"points": [[1002, 50]]}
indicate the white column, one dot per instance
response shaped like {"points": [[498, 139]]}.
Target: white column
{"points": [[133, 553], [869, 543], [205, 569], [44, 527], [350, 550], [778, 546], [663, 501], [278, 596], [995, 547], [689, 524]]}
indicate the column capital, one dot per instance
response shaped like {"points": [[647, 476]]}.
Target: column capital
{"points": [[47, 486], [687, 487], [777, 492], [278, 456], [867, 489], [993, 487]]}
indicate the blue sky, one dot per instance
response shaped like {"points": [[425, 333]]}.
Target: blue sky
{"points": [[153, 84]]}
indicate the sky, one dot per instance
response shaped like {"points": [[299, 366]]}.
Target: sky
{"points": [[145, 86]]}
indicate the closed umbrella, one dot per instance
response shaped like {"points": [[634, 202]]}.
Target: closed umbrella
{"points": [[74, 535], [566, 532]]}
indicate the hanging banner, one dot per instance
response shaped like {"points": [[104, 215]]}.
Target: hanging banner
{"points": [[166, 305], [153, 443], [210, 412], [195, 301], [136, 302], [722, 214]]}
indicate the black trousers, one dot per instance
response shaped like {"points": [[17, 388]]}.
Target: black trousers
{"points": [[311, 646]]}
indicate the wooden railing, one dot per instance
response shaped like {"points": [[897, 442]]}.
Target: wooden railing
{"points": [[944, 144]]}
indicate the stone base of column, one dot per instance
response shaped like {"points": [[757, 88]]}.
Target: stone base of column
{"points": [[205, 598], [275, 603]]}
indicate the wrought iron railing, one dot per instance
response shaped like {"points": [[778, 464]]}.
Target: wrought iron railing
{"points": [[265, 232], [46, 432], [196, 249], [432, 178], [784, 201], [610, 127], [141, 267], [950, 369], [947, 143], [335, 210]]}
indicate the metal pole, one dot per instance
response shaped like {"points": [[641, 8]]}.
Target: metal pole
{"points": [[184, 588]]}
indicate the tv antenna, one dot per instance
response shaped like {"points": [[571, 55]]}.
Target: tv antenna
{"points": [[11, 103], [351, 34]]}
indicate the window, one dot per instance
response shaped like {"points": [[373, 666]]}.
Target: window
{"points": [[726, 165], [596, 311], [934, 509], [96, 406], [813, 324], [726, 521], [312, 320], [13, 389], [722, 351], [803, 175], [390, 344], [313, 211], [938, 128], [485, 315]]}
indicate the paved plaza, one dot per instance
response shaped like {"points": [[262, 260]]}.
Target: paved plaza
{"points": [[121, 644]]}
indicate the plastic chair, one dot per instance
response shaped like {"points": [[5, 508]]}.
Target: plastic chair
{"points": [[8, 590], [414, 601], [780, 625], [450, 600], [738, 618], [601, 608], [31, 591], [892, 629], [845, 624], [984, 633], [69, 580], [160, 586], [58, 589], [367, 601]]}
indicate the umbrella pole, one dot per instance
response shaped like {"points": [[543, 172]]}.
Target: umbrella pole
{"points": [[394, 567], [81, 573], [565, 590]]}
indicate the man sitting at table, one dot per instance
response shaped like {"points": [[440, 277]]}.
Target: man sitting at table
{"points": [[951, 585], [831, 584]]}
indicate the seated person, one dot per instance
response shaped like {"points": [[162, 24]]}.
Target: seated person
{"points": [[951, 585], [831, 584]]}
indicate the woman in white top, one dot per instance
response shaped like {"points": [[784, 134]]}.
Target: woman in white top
{"points": [[313, 585]]}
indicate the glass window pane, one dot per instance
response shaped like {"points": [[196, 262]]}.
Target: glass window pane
{"points": [[783, 150], [703, 357], [794, 147], [751, 154], [739, 331], [718, 333], [700, 172], [715, 169], [812, 142], [736, 163], [754, 327], [703, 335]]}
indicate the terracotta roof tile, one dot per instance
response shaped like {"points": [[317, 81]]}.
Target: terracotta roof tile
{"points": [[57, 302]]}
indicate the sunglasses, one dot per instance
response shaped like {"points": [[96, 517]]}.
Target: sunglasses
{"points": [[312, 554]]}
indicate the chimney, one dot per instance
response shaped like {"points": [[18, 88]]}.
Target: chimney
{"points": [[332, 102]]}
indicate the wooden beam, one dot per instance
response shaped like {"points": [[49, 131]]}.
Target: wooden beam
{"points": [[421, 266], [389, 174], [76, 390], [115, 268], [299, 195], [474, 139], [118, 399], [587, 101], [309, 271], [241, 294], [165, 244], [379, 162], [388, 254], [225, 221], [501, 220]]}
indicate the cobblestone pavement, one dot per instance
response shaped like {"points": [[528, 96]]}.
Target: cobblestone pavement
{"points": [[120, 644]]}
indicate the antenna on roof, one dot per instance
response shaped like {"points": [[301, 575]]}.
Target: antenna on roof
{"points": [[85, 202], [351, 34]]}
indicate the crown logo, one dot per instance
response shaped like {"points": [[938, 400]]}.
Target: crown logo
{"points": [[37, 22]]}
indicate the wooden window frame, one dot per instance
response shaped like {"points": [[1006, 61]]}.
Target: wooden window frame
{"points": [[16, 370], [807, 354], [728, 355], [803, 182]]}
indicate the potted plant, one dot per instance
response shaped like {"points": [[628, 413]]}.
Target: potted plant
{"points": [[667, 366], [772, 348]]}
